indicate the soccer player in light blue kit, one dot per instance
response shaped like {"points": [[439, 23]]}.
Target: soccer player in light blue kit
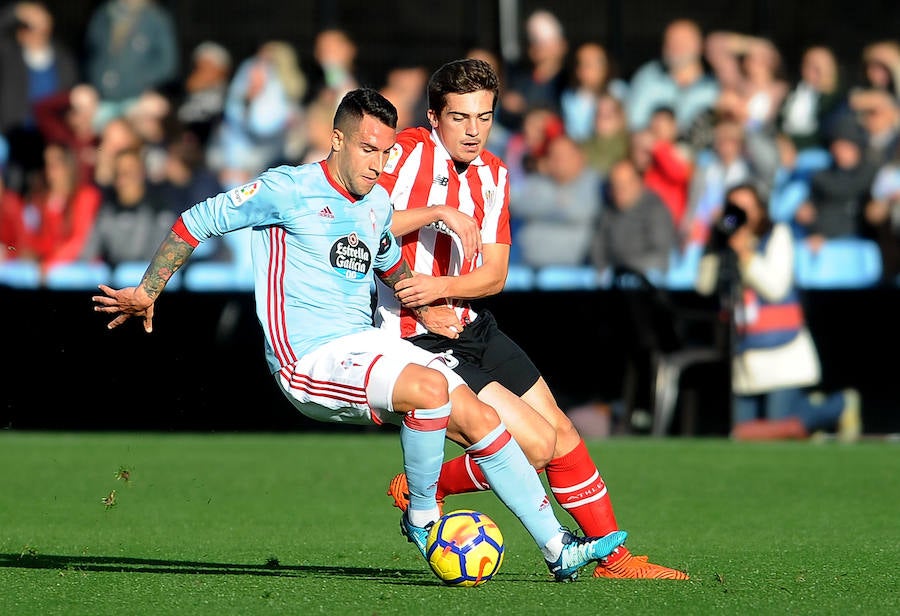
{"points": [[319, 234]]}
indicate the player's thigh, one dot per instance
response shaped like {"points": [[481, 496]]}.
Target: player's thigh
{"points": [[535, 435]]}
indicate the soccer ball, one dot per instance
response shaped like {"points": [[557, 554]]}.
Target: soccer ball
{"points": [[464, 548]]}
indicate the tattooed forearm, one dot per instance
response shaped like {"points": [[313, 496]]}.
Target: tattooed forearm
{"points": [[402, 272], [397, 275], [170, 256]]}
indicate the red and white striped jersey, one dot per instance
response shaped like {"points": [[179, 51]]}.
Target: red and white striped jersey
{"points": [[420, 173]]}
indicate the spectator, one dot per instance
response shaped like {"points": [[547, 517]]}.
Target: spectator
{"points": [[751, 66], [68, 117], [336, 71], [635, 229], [608, 142], [203, 102], [557, 208], [33, 66], [152, 119], [405, 87], [539, 80], [725, 166], [317, 119], [591, 79], [790, 184], [815, 101], [527, 148], [131, 47], [60, 210], [187, 179], [133, 220], [838, 194], [13, 232], [881, 67], [882, 214], [879, 116], [678, 79], [775, 362], [262, 107], [666, 167], [117, 135]]}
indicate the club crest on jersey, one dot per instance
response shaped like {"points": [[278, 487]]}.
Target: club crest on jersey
{"points": [[490, 198], [393, 158], [243, 193], [351, 257]]}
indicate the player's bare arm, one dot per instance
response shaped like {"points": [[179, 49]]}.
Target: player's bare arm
{"points": [[437, 319], [485, 280], [463, 225], [139, 301]]}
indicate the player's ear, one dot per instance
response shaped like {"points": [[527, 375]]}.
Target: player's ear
{"points": [[433, 118], [337, 139]]}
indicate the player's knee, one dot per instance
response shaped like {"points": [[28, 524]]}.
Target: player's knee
{"points": [[539, 452], [431, 390], [566, 432], [472, 417]]}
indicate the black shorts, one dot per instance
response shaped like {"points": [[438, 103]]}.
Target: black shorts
{"points": [[485, 354]]}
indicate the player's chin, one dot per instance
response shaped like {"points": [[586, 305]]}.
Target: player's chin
{"points": [[466, 153]]}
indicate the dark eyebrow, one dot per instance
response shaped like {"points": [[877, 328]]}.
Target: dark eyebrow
{"points": [[466, 115]]}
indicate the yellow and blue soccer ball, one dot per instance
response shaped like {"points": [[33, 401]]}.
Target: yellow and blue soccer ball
{"points": [[464, 548]]}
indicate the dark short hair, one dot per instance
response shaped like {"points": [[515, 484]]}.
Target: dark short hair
{"points": [[361, 102], [461, 77]]}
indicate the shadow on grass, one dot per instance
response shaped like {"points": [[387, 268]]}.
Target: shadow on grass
{"points": [[111, 564]]}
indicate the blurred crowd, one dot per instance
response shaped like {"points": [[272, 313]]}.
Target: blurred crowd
{"points": [[101, 153]]}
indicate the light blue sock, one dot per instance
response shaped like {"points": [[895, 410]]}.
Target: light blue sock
{"points": [[422, 436], [516, 483]]}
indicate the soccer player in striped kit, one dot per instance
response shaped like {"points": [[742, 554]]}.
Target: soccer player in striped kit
{"points": [[319, 234], [451, 213]]}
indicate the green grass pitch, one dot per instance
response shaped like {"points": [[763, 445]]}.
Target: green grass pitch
{"points": [[300, 524]]}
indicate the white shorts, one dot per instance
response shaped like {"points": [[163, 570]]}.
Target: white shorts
{"points": [[351, 379]]}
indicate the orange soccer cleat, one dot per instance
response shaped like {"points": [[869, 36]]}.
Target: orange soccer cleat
{"points": [[399, 491], [637, 567]]}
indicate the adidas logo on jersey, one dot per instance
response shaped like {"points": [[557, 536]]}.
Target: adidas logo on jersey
{"points": [[441, 180], [326, 212]]}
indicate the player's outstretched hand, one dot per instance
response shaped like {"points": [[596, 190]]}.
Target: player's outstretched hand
{"points": [[125, 303]]}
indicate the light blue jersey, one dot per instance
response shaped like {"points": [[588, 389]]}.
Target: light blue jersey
{"points": [[314, 249]]}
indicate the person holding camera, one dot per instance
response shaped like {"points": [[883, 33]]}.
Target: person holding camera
{"points": [[775, 363]]}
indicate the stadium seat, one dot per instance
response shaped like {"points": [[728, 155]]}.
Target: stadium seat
{"points": [[20, 274], [841, 263], [811, 160], [129, 274], [683, 268], [567, 278], [78, 276], [519, 278], [216, 276]]}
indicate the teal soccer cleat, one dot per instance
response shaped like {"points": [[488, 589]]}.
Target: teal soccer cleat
{"points": [[579, 551], [417, 535]]}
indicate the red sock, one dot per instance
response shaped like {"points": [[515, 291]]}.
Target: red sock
{"points": [[460, 475], [578, 487]]}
